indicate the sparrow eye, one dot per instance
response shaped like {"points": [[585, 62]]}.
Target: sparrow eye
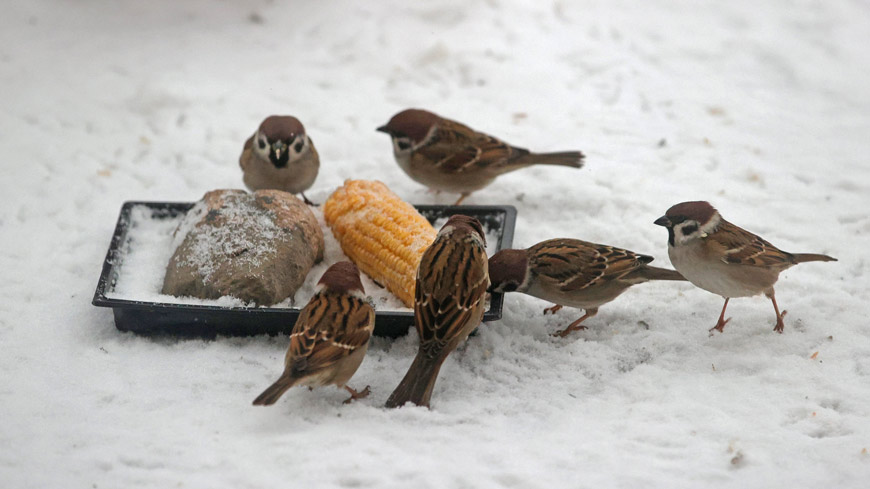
{"points": [[299, 146]]}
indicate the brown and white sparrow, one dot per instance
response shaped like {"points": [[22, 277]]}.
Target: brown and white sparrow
{"points": [[446, 155], [574, 273], [330, 337], [724, 259], [448, 303], [280, 156]]}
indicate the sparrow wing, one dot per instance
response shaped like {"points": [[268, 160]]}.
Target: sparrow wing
{"points": [[245, 149], [329, 328], [571, 264], [738, 246], [456, 148], [451, 285]]}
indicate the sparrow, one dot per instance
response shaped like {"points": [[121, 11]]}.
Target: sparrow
{"points": [[448, 303], [725, 259], [446, 155], [574, 273], [280, 156], [330, 338]]}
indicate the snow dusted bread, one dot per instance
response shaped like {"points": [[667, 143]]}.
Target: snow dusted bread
{"points": [[257, 247], [384, 235]]}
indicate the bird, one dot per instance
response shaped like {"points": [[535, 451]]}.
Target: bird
{"points": [[449, 301], [330, 337], [725, 259], [446, 155], [280, 156], [574, 273]]}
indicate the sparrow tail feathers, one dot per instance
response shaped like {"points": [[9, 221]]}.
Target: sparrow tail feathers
{"points": [[275, 391], [803, 257], [419, 382], [573, 159]]}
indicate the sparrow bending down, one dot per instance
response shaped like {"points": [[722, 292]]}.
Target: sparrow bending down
{"points": [[280, 156], [448, 304], [330, 337], [574, 273], [446, 155], [724, 259]]}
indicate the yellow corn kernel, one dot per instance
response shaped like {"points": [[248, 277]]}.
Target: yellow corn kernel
{"points": [[384, 235]]}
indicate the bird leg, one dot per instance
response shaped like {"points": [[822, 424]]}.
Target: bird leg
{"points": [[552, 310], [354, 395], [575, 326], [461, 198], [720, 325], [780, 325], [308, 202]]}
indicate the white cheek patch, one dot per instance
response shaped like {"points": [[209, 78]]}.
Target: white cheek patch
{"points": [[399, 151], [264, 151], [301, 148], [683, 238], [700, 231]]}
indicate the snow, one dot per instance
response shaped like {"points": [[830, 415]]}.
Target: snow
{"points": [[763, 108]]}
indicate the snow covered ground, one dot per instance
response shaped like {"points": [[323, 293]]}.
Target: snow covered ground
{"points": [[762, 108]]}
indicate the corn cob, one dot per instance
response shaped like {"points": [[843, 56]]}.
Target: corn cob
{"points": [[384, 235]]}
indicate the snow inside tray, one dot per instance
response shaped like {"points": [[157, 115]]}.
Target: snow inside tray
{"points": [[150, 243]]}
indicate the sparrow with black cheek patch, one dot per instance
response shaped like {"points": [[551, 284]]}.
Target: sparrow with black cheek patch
{"points": [[574, 273], [446, 155], [280, 156], [724, 259], [330, 337], [448, 304]]}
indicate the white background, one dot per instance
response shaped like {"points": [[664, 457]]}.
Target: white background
{"points": [[763, 108]]}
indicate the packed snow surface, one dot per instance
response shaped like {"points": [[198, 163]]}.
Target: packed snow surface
{"points": [[762, 108]]}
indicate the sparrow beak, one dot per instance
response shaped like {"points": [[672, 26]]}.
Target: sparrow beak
{"points": [[663, 221], [383, 129], [277, 153]]}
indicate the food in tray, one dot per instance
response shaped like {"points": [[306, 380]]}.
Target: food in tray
{"points": [[257, 247], [384, 235]]}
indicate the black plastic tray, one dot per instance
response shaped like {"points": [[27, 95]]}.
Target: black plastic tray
{"points": [[149, 318]]}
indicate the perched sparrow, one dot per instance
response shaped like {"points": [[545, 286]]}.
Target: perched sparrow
{"points": [[448, 303], [330, 337], [724, 259], [280, 156], [573, 273], [446, 155]]}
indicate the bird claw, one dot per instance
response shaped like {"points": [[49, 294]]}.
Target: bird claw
{"points": [[552, 310], [780, 325], [565, 332], [720, 326], [354, 395]]}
